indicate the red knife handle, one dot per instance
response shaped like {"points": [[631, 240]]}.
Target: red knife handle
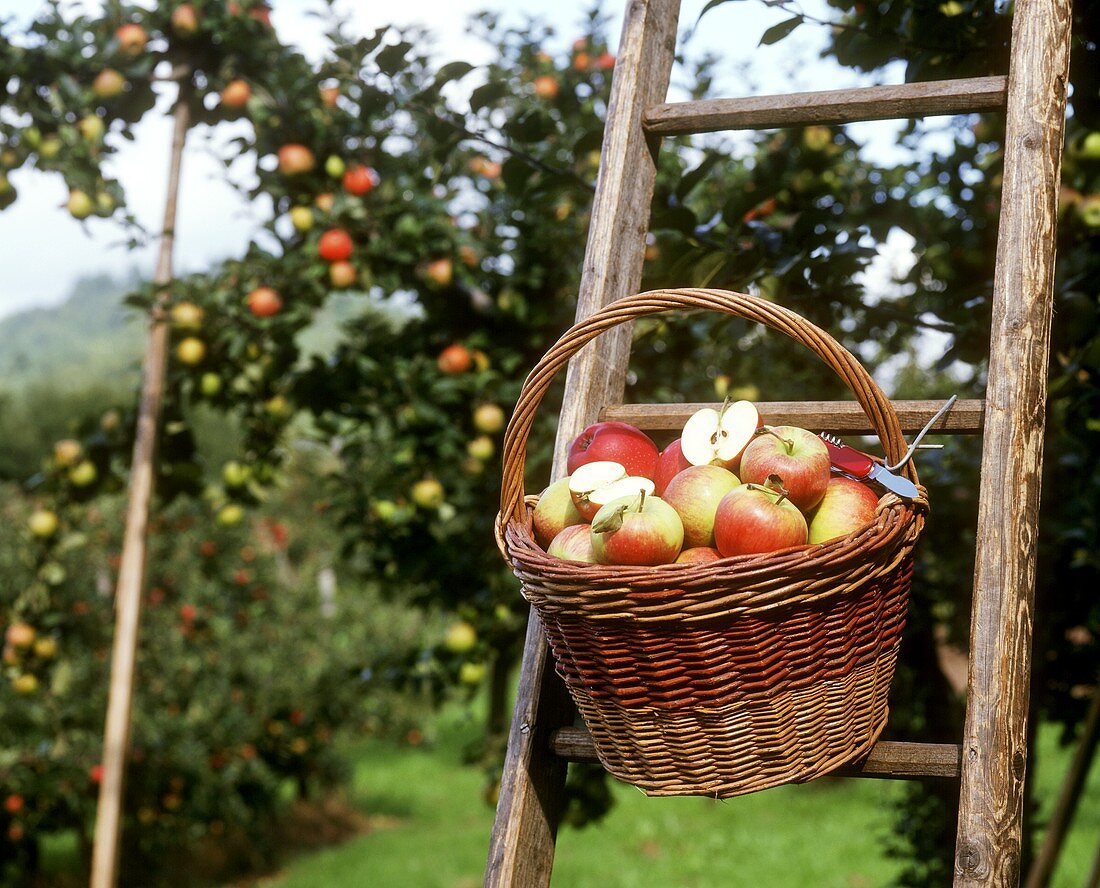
{"points": [[850, 460]]}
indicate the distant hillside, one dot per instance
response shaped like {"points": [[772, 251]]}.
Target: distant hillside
{"points": [[89, 338]]}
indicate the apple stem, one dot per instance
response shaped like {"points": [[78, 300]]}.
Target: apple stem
{"points": [[768, 430], [774, 484], [641, 499]]}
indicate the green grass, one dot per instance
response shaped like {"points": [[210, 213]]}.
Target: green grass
{"points": [[432, 829]]}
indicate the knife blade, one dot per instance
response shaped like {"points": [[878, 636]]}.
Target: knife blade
{"points": [[859, 465]]}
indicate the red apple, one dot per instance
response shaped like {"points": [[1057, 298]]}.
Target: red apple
{"points": [[264, 302], [574, 543], [108, 84], [847, 506], [329, 95], [618, 442], [236, 94], [439, 272], [335, 245], [797, 456], [342, 274], [719, 437], [695, 494], [698, 555], [670, 463], [546, 87], [131, 39], [20, 635], [295, 159], [454, 359], [555, 512], [185, 21], [754, 518], [359, 179], [637, 530]]}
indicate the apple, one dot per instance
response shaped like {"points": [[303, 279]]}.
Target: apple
{"points": [[131, 39], [359, 180], [698, 555], [582, 61], [454, 359], [586, 479], [46, 648], [50, 148], [554, 512], [236, 94], [428, 493], [718, 437], [847, 506], [481, 448], [278, 406], [797, 456], [185, 21], [66, 452], [235, 474], [342, 274], [188, 612], [439, 272], [546, 87], [13, 804], [230, 515], [324, 202], [80, 206], [756, 518], [632, 485], [95, 774], [605, 61], [301, 218], [329, 95], [637, 529], [104, 203], [695, 494], [20, 635], [295, 159], [1090, 146], [83, 473], [335, 245], [482, 166], [264, 302], [616, 441], [190, 351], [335, 166], [573, 543], [210, 384], [187, 316], [43, 523], [460, 638], [488, 418], [92, 128], [472, 673], [25, 684], [669, 464], [108, 84]]}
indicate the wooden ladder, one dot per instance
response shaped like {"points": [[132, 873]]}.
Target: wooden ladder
{"points": [[990, 760]]}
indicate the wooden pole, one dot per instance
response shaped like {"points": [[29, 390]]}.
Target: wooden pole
{"points": [[994, 753], [131, 575], [1068, 798]]}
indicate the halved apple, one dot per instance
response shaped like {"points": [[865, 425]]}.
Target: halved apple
{"points": [[631, 486], [590, 477], [718, 437]]}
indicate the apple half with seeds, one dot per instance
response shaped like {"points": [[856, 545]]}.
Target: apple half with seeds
{"points": [[719, 437]]}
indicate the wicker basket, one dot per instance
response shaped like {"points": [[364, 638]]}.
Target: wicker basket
{"points": [[723, 678]]}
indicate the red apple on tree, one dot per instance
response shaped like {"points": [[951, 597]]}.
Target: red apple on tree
{"points": [[546, 87], [797, 456], [573, 543], [264, 302], [670, 463], [755, 518], [342, 274], [695, 494], [295, 159], [618, 442], [185, 21], [439, 272], [236, 94], [108, 84], [131, 39], [637, 530], [359, 179], [554, 512], [719, 437], [335, 245], [455, 359], [847, 506]]}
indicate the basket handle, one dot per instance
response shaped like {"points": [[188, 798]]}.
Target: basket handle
{"points": [[871, 398]]}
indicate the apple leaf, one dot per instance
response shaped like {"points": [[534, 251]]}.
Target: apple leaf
{"points": [[777, 32], [610, 523], [711, 6]]}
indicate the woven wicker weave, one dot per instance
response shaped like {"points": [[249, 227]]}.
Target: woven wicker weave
{"points": [[723, 678]]}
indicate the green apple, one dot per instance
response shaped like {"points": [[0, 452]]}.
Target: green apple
{"points": [[554, 512], [43, 523], [235, 474], [186, 316], [460, 638], [301, 218], [210, 384], [66, 452], [481, 448], [472, 673], [80, 206], [92, 128], [695, 494], [428, 493], [1090, 146], [83, 473], [847, 506], [488, 418], [230, 515], [335, 166], [25, 684]]}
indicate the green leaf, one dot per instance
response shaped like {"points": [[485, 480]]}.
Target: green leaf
{"points": [[610, 523], [777, 32], [711, 6]]}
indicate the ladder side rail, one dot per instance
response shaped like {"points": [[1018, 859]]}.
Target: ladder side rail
{"points": [[988, 845], [521, 849]]}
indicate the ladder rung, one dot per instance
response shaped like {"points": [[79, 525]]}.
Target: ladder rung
{"points": [[964, 417], [829, 107], [888, 759]]}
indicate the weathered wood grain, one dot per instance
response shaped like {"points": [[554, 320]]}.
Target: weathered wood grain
{"points": [[521, 852], [964, 417], [828, 107], [131, 574], [888, 759], [987, 851]]}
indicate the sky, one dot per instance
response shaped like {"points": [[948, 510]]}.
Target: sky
{"points": [[43, 251]]}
